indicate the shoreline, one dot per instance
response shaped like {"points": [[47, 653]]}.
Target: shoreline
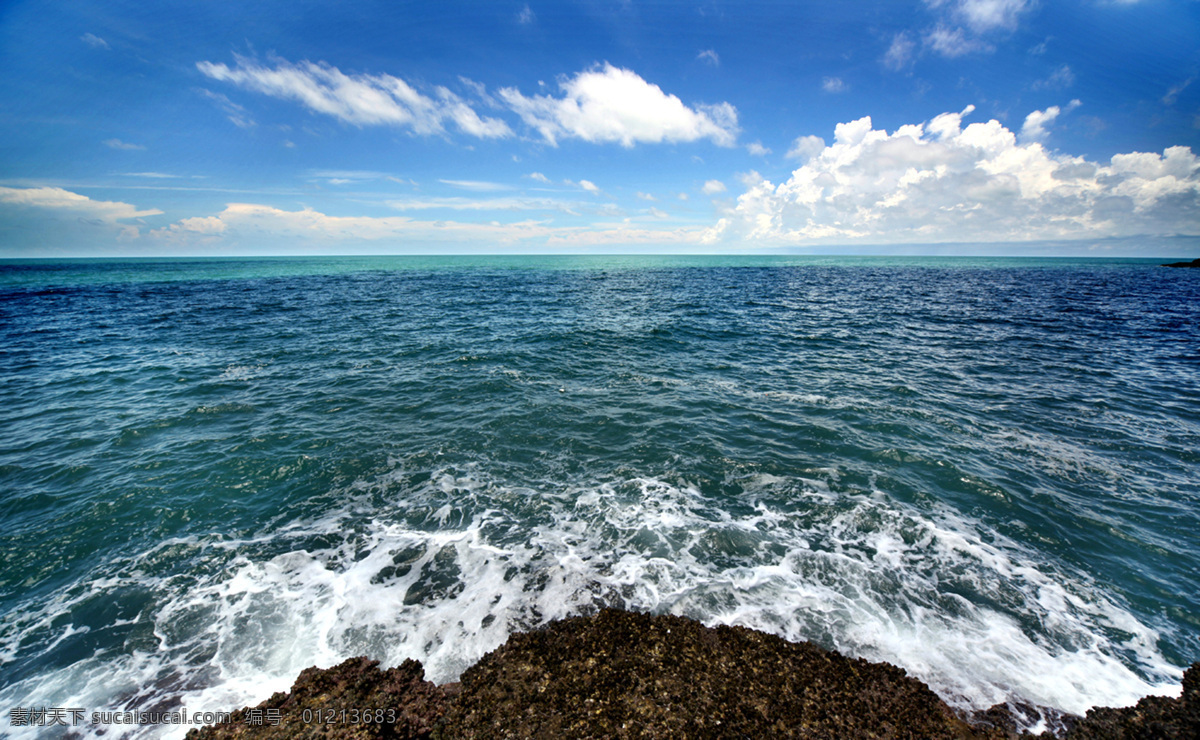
{"points": [[628, 674]]}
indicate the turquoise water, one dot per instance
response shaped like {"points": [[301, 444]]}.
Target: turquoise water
{"points": [[214, 473]]}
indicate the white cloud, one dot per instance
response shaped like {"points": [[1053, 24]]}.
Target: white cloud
{"points": [[833, 85], [199, 229], [261, 222], [805, 148], [609, 104], [526, 16], [900, 53], [65, 200], [658, 213], [982, 16], [589, 186], [152, 175], [479, 186], [1036, 123], [712, 187], [78, 207], [940, 182], [757, 149], [94, 41], [237, 114], [360, 100], [1059, 79], [952, 42], [118, 144], [539, 177], [1173, 93], [490, 204], [646, 196], [710, 56]]}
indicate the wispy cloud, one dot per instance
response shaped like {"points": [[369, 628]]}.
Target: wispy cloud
{"points": [[710, 56], [900, 53], [1059, 79], [833, 85], [1173, 93], [489, 204], [118, 144], [526, 16], [235, 113], [610, 104], [478, 186], [360, 100], [94, 41], [953, 42]]}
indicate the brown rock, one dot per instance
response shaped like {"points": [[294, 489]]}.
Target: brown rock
{"points": [[333, 702]]}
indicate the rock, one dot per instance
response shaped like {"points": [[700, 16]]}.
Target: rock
{"points": [[1193, 263], [411, 706], [1153, 717], [623, 675]]}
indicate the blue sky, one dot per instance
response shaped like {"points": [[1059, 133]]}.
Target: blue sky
{"points": [[994, 126]]}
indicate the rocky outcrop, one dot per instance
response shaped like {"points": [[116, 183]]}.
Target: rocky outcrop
{"points": [[1193, 263], [626, 675]]}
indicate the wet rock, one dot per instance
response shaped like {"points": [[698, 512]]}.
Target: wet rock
{"points": [[621, 674], [334, 702], [1150, 719], [626, 675]]}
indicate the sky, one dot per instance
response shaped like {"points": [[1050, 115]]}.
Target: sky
{"points": [[599, 126]]}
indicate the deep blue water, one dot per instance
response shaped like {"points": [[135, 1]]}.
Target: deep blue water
{"points": [[214, 473]]}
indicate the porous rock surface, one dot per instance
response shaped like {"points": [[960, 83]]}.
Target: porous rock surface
{"points": [[626, 675]]}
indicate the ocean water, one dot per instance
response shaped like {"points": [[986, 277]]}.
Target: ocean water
{"points": [[215, 473]]}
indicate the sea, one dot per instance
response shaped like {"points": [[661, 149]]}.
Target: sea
{"points": [[215, 473]]}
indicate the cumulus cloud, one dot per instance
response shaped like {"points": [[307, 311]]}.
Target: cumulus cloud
{"points": [[360, 100], [1036, 126], [757, 149], [610, 104], [942, 182], [712, 187], [806, 147], [199, 229], [589, 186]]}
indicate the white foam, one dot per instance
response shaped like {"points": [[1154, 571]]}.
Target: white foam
{"points": [[453, 565]]}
